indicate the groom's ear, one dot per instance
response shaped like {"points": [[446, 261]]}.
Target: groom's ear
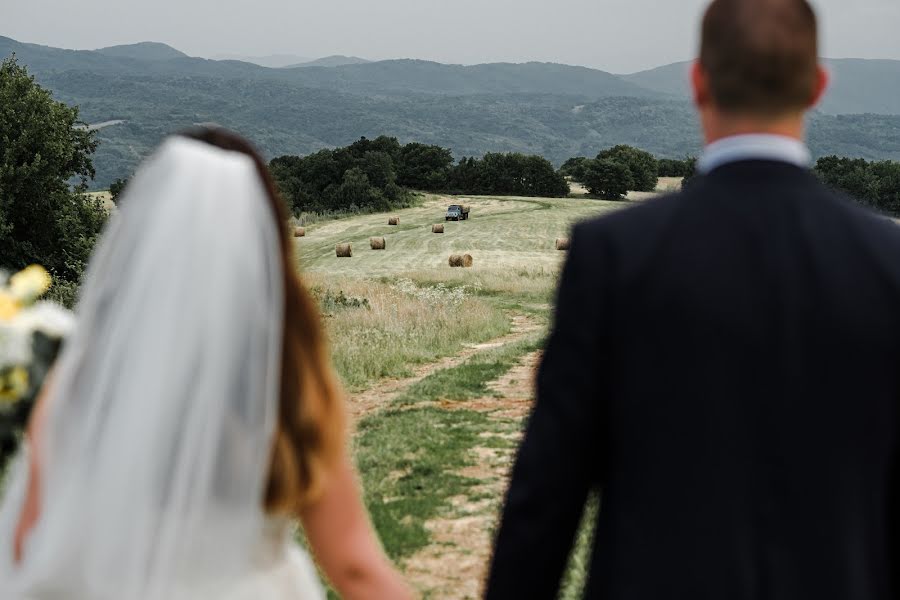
{"points": [[700, 86], [823, 80]]}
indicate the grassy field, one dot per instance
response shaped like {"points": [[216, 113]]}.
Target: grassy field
{"points": [[503, 235], [439, 365]]}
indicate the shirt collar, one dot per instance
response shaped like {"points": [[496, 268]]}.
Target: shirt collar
{"points": [[757, 146]]}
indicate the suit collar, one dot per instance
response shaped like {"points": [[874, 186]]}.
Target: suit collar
{"points": [[762, 147]]}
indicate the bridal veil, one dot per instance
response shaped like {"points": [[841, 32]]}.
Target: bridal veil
{"points": [[164, 401]]}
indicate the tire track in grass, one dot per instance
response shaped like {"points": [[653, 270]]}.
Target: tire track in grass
{"points": [[383, 393], [463, 533]]}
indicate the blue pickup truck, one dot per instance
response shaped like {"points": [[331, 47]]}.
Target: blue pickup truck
{"points": [[457, 212]]}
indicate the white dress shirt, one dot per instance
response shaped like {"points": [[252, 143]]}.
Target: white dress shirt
{"points": [[754, 147]]}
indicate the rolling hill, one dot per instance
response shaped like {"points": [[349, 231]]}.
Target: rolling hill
{"points": [[330, 61], [272, 61], [858, 86], [143, 51], [383, 77], [554, 110]]}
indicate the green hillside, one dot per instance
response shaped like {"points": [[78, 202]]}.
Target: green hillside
{"points": [[143, 51], [858, 85]]}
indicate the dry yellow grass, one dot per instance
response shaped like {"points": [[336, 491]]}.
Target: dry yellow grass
{"points": [[105, 198], [404, 324]]}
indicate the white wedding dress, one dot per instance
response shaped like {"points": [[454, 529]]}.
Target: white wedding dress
{"points": [[163, 405], [279, 570]]}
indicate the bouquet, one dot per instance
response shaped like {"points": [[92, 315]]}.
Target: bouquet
{"points": [[31, 335]]}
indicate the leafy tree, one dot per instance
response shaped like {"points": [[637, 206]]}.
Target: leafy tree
{"points": [[464, 176], [424, 167], [874, 184], [383, 143], [539, 178], [116, 188], [608, 179], [511, 174], [378, 167], [669, 167], [43, 218], [643, 165], [575, 168], [355, 191], [360, 177], [887, 174]]}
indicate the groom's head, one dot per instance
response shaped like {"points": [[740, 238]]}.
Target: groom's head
{"points": [[758, 65]]}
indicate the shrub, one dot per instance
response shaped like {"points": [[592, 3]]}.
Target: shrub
{"points": [[575, 168], [642, 165], [608, 179], [874, 184]]}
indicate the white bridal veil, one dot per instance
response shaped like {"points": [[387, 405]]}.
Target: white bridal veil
{"points": [[165, 399]]}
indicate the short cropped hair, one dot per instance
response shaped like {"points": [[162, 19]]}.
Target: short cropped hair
{"points": [[760, 56]]}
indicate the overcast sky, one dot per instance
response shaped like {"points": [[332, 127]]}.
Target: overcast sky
{"points": [[615, 35]]}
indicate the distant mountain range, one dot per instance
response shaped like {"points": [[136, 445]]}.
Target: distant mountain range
{"points": [[858, 85], [330, 61], [555, 110], [273, 61], [143, 51]]}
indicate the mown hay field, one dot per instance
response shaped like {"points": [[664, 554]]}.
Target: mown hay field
{"points": [[501, 234]]}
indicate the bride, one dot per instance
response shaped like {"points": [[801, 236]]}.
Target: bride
{"points": [[193, 416]]}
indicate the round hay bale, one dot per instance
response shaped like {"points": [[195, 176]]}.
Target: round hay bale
{"points": [[466, 207], [377, 243], [437, 229], [300, 232], [562, 244], [394, 221], [344, 250], [461, 260]]}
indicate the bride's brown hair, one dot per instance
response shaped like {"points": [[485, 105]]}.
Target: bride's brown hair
{"points": [[310, 435]]}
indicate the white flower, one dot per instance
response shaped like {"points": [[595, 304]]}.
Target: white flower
{"points": [[49, 318], [16, 336], [15, 345]]}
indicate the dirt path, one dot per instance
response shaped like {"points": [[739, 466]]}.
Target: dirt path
{"points": [[454, 564], [381, 394]]}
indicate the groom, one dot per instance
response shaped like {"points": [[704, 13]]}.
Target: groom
{"points": [[724, 366]]}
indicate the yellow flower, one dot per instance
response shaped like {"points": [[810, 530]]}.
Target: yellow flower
{"points": [[13, 385], [9, 306], [30, 284]]}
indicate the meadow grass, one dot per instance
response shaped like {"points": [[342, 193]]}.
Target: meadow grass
{"points": [[409, 461], [401, 325], [409, 455], [576, 573]]}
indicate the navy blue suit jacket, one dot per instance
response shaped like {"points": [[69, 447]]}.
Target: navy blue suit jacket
{"points": [[725, 368]]}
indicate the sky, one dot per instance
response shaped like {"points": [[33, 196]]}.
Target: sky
{"points": [[620, 36]]}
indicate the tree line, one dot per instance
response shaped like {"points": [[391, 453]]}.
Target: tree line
{"points": [[874, 184], [378, 174]]}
